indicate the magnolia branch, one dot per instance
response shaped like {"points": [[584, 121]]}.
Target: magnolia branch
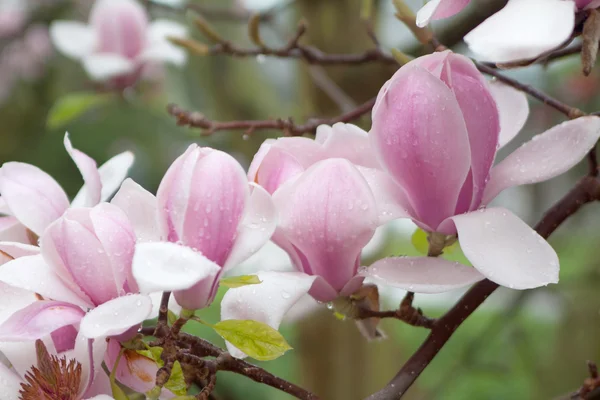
{"points": [[289, 128]]}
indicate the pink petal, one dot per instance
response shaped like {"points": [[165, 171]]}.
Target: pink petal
{"points": [[116, 316], [537, 26], [346, 141], [166, 266], [439, 9], [135, 371], [32, 196], [257, 227], [266, 302], [545, 156], [505, 249], [328, 214], [18, 273], [100, 385], [115, 233], [513, 108], [200, 295], [276, 168], [78, 257], [112, 173], [38, 320], [421, 274], [140, 207], [258, 158], [87, 167], [483, 124], [204, 217], [420, 135]]}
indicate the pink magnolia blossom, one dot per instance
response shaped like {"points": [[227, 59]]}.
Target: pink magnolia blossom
{"points": [[205, 219], [439, 9], [436, 129], [536, 26], [327, 214], [119, 41], [83, 273], [32, 199]]}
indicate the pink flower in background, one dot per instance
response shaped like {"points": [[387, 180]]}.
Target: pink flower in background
{"points": [[436, 129], [439, 9], [536, 26], [85, 264], [118, 42], [205, 219], [32, 199]]}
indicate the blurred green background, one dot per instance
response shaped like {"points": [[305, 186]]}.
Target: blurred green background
{"points": [[519, 345]]}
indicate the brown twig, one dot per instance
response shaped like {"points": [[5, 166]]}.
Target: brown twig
{"points": [[586, 191], [406, 313], [289, 128]]}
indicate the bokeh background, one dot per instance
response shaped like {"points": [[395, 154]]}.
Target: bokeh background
{"points": [[519, 345]]}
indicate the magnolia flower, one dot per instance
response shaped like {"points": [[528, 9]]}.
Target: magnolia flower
{"points": [[205, 219], [439, 9], [436, 129], [32, 199], [83, 273], [536, 26], [76, 374], [119, 41], [327, 214]]}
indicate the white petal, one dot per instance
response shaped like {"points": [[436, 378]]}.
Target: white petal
{"points": [[165, 266], [19, 273], [90, 354], [545, 156], [270, 257], [257, 226], [13, 299], [505, 249], [112, 174], [426, 12], [159, 48], [140, 207], [16, 250], [265, 302], [10, 384], [421, 274], [104, 66], [73, 39], [116, 316], [536, 26], [513, 108], [89, 171]]}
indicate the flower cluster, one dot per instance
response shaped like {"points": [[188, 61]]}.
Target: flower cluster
{"points": [[78, 278]]}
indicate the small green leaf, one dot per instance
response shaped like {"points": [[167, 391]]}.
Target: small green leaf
{"points": [[153, 353], [172, 317], [117, 392], [242, 280], [254, 338], [419, 240], [176, 382], [71, 106]]}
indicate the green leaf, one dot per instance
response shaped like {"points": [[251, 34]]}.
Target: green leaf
{"points": [[172, 317], [117, 392], [419, 240], [176, 382], [254, 338], [242, 280], [71, 106], [153, 353]]}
